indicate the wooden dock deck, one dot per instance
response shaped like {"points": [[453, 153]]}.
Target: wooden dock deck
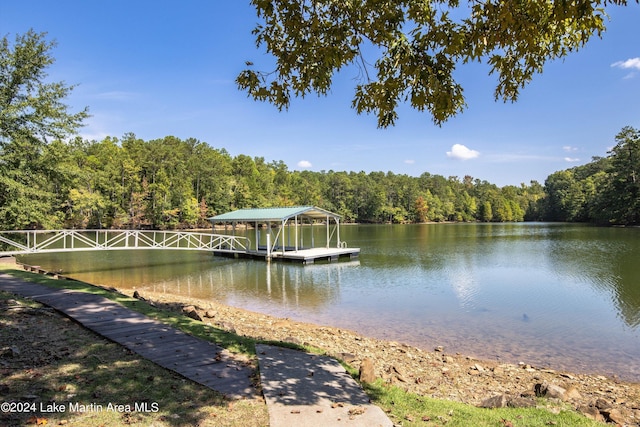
{"points": [[304, 256]]}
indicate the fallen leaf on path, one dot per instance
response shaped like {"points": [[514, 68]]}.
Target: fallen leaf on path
{"points": [[37, 421], [356, 410]]}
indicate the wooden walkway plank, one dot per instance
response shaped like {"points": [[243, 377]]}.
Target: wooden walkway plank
{"points": [[188, 362], [186, 358], [90, 318], [117, 328], [139, 331], [166, 340], [116, 323], [198, 360], [159, 352]]}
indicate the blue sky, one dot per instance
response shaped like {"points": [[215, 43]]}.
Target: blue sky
{"points": [[159, 68]]}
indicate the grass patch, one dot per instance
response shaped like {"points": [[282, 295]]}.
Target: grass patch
{"points": [[409, 409]]}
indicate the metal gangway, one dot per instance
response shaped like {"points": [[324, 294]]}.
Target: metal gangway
{"points": [[22, 242]]}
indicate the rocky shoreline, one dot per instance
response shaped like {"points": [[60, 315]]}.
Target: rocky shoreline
{"points": [[438, 373]]}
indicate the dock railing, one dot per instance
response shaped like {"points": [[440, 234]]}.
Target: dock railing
{"points": [[41, 241]]}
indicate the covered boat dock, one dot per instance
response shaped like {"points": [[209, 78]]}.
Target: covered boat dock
{"points": [[283, 237]]}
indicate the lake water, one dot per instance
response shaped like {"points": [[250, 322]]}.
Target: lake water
{"points": [[552, 295]]}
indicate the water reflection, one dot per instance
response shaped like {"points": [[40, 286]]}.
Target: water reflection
{"points": [[255, 284], [606, 261], [565, 296]]}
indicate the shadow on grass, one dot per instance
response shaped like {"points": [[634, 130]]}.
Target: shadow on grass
{"points": [[52, 370]]}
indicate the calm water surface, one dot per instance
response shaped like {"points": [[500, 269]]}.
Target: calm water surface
{"points": [[552, 295]]}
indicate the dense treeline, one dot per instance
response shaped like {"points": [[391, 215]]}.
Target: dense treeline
{"points": [[169, 183], [174, 183], [605, 191]]}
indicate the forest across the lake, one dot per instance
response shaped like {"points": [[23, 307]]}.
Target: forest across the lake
{"points": [[174, 183]]}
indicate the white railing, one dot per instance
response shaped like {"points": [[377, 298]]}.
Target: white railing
{"points": [[41, 241]]}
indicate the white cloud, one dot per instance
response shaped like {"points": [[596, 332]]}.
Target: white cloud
{"points": [[461, 152], [571, 159], [409, 162], [631, 63], [569, 148], [305, 164], [97, 127]]}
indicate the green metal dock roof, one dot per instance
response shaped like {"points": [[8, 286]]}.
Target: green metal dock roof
{"points": [[274, 214]]}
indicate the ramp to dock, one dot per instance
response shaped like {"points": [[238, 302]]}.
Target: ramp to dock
{"points": [[24, 242]]}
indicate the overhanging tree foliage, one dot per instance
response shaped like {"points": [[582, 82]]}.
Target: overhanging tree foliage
{"points": [[408, 50], [32, 114]]}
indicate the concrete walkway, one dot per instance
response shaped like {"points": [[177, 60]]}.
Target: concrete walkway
{"points": [[300, 389], [308, 390]]}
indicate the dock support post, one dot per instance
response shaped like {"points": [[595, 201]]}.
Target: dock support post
{"points": [[257, 233], [284, 223], [296, 233], [268, 247], [328, 236]]}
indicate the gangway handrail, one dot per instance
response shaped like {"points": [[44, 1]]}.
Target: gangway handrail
{"points": [[18, 242]]}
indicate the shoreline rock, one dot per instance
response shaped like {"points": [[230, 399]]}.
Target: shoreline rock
{"points": [[436, 373]]}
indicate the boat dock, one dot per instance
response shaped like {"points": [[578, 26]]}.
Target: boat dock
{"points": [[276, 228], [303, 234]]}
